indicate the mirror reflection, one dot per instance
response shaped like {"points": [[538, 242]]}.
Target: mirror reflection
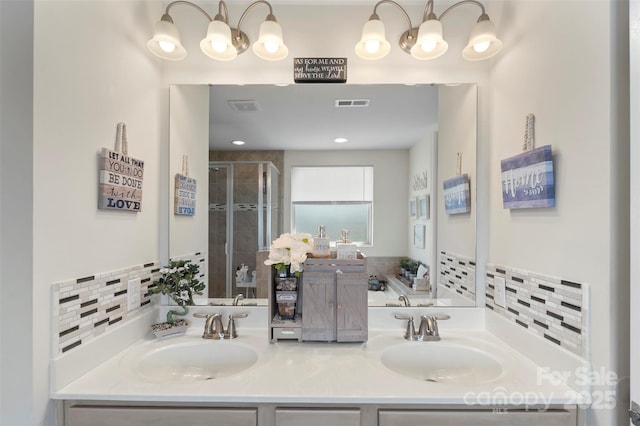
{"points": [[413, 137]]}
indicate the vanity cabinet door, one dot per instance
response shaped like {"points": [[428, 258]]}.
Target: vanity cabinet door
{"points": [[318, 306], [87, 415], [317, 417], [466, 417], [351, 308]]}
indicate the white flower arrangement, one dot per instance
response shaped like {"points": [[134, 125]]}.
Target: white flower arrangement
{"points": [[290, 250]]}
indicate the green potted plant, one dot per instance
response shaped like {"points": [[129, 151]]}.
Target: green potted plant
{"points": [[180, 281]]}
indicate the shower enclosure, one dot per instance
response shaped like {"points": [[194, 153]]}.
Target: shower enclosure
{"points": [[244, 217]]}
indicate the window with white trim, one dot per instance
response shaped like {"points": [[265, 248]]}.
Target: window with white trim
{"points": [[339, 197]]}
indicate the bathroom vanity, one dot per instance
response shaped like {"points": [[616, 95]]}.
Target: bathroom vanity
{"points": [[468, 377]]}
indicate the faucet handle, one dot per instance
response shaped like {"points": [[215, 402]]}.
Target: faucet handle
{"points": [[410, 334], [231, 326], [201, 315], [403, 317], [440, 317]]}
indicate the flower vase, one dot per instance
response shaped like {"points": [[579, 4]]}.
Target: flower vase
{"points": [[286, 288]]}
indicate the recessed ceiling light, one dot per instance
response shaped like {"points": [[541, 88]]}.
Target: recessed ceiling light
{"points": [[238, 143], [340, 140]]}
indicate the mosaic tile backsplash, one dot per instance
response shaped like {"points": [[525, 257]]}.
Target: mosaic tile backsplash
{"points": [[458, 273], [552, 308], [84, 308]]}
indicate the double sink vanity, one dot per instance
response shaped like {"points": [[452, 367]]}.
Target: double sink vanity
{"points": [[467, 377]]}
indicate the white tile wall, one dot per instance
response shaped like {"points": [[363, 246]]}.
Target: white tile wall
{"points": [[552, 308]]}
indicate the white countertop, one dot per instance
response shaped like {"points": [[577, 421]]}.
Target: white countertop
{"points": [[337, 373]]}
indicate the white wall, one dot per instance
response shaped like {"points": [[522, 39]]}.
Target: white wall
{"points": [[91, 71], [189, 135], [422, 158], [457, 130], [561, 63], [389, 198], [16, 205]]}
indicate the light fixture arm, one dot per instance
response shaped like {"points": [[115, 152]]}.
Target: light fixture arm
{"points": [[374, 15], [195, 6], [483, 14], [270, 16]]}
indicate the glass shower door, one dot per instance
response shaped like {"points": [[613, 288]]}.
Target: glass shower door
{"points": [[219, 184]]}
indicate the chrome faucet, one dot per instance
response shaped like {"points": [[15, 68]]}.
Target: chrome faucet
{"points": [[236, 299], [404, 299], [428, 330], [213, 328]]}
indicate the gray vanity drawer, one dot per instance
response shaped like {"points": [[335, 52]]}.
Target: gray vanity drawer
{"points": [[317, 417], [499, 417], [286, 333], [86, 415]]}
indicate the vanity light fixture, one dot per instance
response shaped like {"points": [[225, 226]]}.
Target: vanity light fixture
{"points": [[222, 42], [426, 42]]}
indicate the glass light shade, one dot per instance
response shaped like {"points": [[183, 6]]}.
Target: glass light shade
{"points": [[269, 45], [429, 43], [166, 42], [373, 44], [217, 44], [483, 42]]}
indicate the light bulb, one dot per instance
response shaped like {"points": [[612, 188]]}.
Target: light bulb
{"points": [[218, 45], [167, 46], [271, 46], [372, 46], [482, 46], [428, 45]]}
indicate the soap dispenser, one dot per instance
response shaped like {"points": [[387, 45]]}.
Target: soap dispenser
{"points": [[321, 243], [345, 249]]}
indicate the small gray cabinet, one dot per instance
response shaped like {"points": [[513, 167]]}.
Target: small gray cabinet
{"points": [[334, 306]]}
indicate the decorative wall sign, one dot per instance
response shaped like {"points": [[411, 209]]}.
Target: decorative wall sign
{"points": [[185, 198], [527, 180], [420, 181], [120, 181], [320, 70], [457, 198]]}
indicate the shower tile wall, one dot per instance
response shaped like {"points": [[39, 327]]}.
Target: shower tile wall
{"points": [[217, 232], [246, 184]]}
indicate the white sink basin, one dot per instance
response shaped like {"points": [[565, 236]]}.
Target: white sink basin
{"points": [[441, 363], [190, 360]]}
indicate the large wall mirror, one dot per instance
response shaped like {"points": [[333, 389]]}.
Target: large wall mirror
{"points": [[420, 141]]}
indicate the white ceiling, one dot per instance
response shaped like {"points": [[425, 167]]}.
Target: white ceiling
{"points": [[304, 116]]}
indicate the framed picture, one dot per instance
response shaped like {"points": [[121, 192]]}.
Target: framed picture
{"points": [[418, 235], [423, 207], [413, 208]]}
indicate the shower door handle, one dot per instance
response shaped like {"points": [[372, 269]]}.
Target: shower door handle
{"points": [[225, 249]]}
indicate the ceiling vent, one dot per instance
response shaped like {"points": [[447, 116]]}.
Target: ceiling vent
{"points": [[244, 106], [352, 103]]}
